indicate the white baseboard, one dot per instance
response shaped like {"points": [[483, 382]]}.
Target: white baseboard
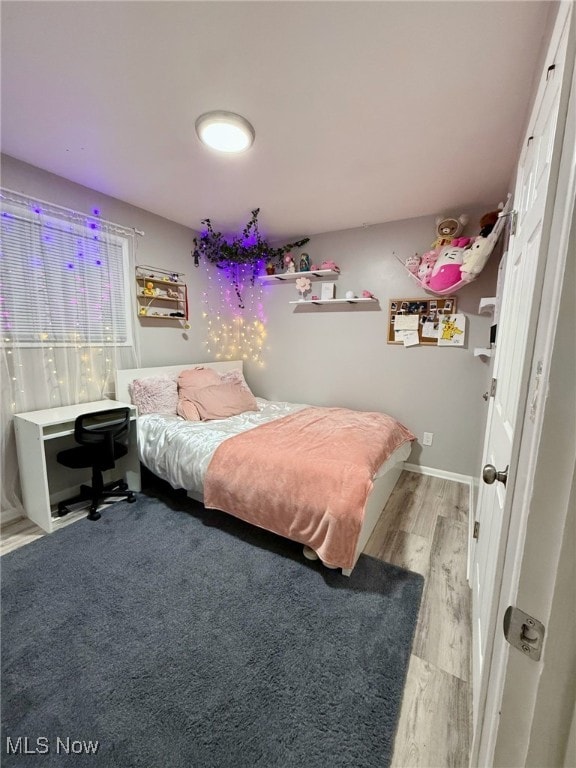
{"points": [[455, 476], [10, 515]]}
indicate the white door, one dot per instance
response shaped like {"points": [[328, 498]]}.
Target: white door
{"points": [[519, 303]]}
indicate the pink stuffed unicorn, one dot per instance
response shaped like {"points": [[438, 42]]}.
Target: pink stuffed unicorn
{"points": [[426, 266]]}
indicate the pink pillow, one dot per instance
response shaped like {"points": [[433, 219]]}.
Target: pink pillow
{"points": [[197, 377], [189, 381], [187, 410], [222, 400], [235, 376], [154, 395]]}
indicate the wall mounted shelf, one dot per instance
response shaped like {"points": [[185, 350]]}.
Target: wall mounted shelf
{"points": [[488, 305], [153, 285], [316, 273], [334, 301]]}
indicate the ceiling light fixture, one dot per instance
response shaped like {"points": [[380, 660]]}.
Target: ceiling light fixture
{"points": [[225, 131]]}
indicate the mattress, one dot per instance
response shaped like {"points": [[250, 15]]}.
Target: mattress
{"points": [[180, 451]]}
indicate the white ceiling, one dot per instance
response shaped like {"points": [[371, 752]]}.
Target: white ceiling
{"points": [[364, 112]]}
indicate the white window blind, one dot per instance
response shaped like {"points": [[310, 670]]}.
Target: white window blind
{"points": [[63, 282]]}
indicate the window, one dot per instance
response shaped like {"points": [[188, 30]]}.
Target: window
{"points": [[65, 282]]}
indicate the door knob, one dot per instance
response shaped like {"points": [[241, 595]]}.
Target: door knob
{"points": [[490, 474]]}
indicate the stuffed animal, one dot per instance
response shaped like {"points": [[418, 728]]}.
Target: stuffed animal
{"points": [[330, 265], [475, 258], [447, 229], [488, 221], [149, 289], [479, 252], [412, 263], [289, 261], [446, 272], [426, 266], [367, 295]]}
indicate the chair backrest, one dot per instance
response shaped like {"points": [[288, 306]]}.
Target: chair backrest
{"points": [[103, 428]]}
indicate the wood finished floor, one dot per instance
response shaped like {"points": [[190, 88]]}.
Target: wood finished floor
{"points": [[423, 528]]}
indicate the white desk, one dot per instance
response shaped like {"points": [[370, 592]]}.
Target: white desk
{"points": [[39, 436]]}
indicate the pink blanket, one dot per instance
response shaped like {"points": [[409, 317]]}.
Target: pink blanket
{"points": [[306, 476]]}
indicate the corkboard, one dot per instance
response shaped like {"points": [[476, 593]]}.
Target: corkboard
{"points": [[429, 309]]}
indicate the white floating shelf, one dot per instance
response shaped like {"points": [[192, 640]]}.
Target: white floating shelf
{"points": [[295, 275], [487, 305], [482, 352], [333, 301]]}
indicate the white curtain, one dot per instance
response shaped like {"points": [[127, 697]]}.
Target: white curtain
{"points": [[66, 316]]}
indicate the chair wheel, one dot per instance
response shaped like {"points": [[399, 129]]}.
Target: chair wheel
{"points": [[131, 499], [93, 514]]}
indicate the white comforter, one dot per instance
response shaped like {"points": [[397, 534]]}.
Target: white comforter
{"points": [[179, 451]]}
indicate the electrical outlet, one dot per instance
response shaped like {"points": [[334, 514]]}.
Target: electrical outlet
{"points": [[428, 437]]}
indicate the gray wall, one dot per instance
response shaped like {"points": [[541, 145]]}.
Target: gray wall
{"points": [[332, 355], [338, 355]]}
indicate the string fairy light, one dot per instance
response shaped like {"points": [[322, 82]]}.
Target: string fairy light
{"points": [[234, 329], [78, 270]]}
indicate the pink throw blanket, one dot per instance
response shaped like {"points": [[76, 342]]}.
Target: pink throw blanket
{"points": [[306, 476]]}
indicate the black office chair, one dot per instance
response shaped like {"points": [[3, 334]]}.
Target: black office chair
{"points": [[103, 437]]}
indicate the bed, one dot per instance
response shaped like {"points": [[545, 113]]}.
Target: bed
{"points": [[287, 467]]}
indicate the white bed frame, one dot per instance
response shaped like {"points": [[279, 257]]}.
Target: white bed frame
{"points": [[383, 485]]}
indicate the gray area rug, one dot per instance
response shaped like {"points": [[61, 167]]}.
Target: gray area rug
{"points": [[175, 636]]}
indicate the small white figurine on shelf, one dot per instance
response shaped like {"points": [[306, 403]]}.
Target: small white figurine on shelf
{"points": [[303, 286], [289, 261]]}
